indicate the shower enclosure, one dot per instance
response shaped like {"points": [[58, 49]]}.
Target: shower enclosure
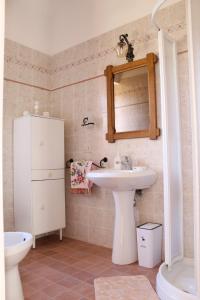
{"points": [[179, 277]]}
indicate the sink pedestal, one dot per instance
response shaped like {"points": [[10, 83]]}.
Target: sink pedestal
{"points": [[123, 183], [124, 242]]}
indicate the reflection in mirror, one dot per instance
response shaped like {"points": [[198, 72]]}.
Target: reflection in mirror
{"points": [[131, 100]]}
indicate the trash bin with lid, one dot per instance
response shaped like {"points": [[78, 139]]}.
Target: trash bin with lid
{"points": [[149, 241]]}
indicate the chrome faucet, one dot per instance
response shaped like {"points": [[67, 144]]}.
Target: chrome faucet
{"points": [[126, 163]]}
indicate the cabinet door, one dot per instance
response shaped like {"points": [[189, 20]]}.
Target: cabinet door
{"points": [[48, 205], [48, 174], [47, 143]]}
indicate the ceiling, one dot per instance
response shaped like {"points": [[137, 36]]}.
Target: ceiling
{"points": [[51, 26]]}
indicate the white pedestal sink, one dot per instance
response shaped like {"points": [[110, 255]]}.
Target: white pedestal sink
{"points": [[123, 184]]}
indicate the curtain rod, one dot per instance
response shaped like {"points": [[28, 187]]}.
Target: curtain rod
{"points": [[155, 10]]}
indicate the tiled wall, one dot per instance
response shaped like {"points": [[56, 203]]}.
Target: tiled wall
{"points": [[31, 67], [90, 218], [80, 69]]}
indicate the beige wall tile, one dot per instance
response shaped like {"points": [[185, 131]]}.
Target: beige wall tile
{"points": [[91, 217]]}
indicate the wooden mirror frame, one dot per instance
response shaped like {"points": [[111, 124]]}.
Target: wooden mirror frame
{"points": [[152, 132]]}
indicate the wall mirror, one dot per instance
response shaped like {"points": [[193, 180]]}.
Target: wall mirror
{"points": [[131, 100]]}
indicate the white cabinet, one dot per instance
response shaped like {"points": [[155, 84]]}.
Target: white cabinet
{"points": [[39, 186], [47, 143], [48, 206]]}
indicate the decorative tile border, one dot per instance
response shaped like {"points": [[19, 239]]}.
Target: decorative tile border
{"points": [[101, 54], [83, 60], [26, 64], [66, 85], [90, 58], [105, 52], [176, 27]]}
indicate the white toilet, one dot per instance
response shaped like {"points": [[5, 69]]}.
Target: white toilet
{"points": [[17, 245]]}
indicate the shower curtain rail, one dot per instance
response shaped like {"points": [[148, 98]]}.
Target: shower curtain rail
{"points": [[154, 12]]}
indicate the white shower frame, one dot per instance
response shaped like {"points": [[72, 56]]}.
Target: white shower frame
{"points": [[2, 266], [193, 27], [172, 189]]}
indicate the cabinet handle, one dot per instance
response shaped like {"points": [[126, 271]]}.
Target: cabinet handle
{"points": [[42, 143], [50, 174], [42, 207]]}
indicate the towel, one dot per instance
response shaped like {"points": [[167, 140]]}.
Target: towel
{"points": [[79, 183]]}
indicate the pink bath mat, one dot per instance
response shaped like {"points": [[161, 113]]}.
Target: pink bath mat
{"points": [[124, 288]]}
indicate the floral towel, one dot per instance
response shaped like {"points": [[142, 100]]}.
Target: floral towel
{"points": [[79, 183], [124, 288]]}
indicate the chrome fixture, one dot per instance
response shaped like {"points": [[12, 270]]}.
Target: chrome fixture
{"points": [[86, 122], [101, 163], [126, 163], [125, 48]]}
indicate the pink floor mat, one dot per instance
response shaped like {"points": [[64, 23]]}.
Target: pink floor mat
{"points": [[124, 288]]}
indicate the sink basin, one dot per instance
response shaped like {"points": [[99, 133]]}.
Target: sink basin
{"points": [[123, 180], [123, 184]]}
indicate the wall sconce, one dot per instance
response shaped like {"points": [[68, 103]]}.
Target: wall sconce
{"points": [[125, 48]]}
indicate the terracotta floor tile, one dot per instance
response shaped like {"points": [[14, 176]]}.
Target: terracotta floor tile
{"points": [[110, 272], [66, 243], [42, 271], [48, 261], [27, 261], [70, 270], [54, 275], [28, 290], [23, 273], [66, 270], [66, 259], [83, 275], [97, 269], [96, 259], [34, 266], [84, 264], [88, 297], [81, 254], [36, 255], [84, 289], [40, 283], [91, 279], [70, 260], [59, 256], [39, 296], [68, 251], [48, 252], [92, 297], [69, 282], [54, 290], [59, 266], [77, 244], [92, 250], [105, 253], [69, 295]]}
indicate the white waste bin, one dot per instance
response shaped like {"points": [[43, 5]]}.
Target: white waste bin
{"points": [[149, 241]]}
